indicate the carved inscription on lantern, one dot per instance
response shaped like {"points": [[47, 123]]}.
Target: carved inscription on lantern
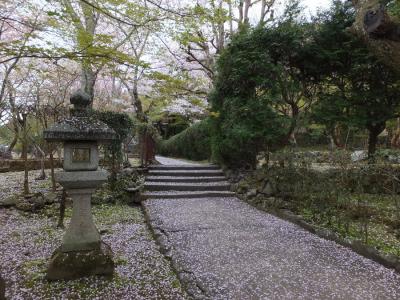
{"points": [[81, 155]]}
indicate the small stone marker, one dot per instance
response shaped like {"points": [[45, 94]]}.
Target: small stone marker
{"points": [[82, 253]]}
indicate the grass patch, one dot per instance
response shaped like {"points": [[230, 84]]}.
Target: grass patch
{"points": [[108, 214]]}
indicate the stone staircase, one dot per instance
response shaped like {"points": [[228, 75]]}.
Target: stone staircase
{"points": [[185, 182]]}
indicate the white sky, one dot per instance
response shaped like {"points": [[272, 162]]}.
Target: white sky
{"points": [[310, 8], [313, 5]]}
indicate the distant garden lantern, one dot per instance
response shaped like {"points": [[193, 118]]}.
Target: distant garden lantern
{"points": [[82, 252]]}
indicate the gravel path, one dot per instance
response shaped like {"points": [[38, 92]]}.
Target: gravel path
{"points": [[173, 161], [222, 248], [218, 183]]}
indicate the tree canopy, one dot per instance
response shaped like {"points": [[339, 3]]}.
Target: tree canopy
{"points": [[260, 71]]}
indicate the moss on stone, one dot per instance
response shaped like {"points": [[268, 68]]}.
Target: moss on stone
{"points": [[78, 264]]}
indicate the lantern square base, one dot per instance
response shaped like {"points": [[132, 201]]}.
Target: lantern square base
{"points": [[78, 264]]}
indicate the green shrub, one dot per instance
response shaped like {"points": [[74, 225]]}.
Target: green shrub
{"points": [[192, 143], [245, 121], [394, 8], [114, 192], [123, 125]]}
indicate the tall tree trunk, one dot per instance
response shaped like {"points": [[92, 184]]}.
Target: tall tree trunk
{"points": [[295, 111], [135, 97], [372, 141], [142, 143], [25, 156], [6, 82], [53, 178], [14, 140], [62, 209], [14, 116], [133, 91], [395, 141], [266, 7], [336, 136], [59, 155], [88, 74], [241, 12], [88, 80], [42, 175], [85, 29], [247, 4], [134, 94], [230, 18], [374, 130]]}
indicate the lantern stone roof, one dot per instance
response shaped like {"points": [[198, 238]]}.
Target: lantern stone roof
{"points": [[81, 126]]}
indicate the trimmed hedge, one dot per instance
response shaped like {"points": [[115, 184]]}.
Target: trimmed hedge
{"points": [[192, 143]]}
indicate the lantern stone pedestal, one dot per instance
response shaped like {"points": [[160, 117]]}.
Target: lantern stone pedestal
{"points": [[78, 264], [81, 234], [82, 253]]}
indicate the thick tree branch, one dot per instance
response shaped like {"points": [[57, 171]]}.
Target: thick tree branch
{"points": [[378, 30]]}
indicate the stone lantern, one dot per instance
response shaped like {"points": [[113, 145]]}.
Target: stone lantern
{"points": [[82, 253]]}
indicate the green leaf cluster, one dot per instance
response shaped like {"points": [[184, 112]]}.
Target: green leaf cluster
{"points": [[394, 8], [356, 88], [123, 126], [256, 73]]}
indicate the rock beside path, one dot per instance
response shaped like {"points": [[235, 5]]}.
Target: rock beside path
{"points": [[31, 203], [51, 197], [9, 201], [359, 155]]}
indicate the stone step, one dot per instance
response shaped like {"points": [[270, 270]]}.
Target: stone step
{"points": [[186, 173], [187, 194], [182, 167], [174, 186], [185, 179]]}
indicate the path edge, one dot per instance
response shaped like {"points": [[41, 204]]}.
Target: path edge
{"points": [[188, 283], [390, 261]]}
